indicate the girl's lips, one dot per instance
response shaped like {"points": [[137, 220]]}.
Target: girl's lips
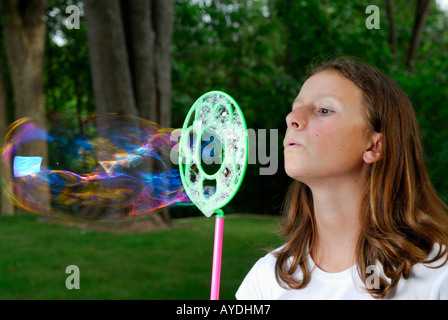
{"points": [[289, 143], [291, 146]]}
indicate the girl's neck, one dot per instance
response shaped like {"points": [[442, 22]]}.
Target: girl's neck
{"points": [[337, 215]]}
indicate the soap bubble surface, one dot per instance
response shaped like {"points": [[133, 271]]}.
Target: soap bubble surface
{"points": [[104, 168]]}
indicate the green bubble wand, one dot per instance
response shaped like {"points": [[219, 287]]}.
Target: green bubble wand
{"points": [[217, 117]]}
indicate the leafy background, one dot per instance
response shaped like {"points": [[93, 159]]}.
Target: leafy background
{"points": [[259, 51]]}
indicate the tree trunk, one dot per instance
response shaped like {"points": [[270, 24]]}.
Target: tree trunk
{"points": [[420, 18], [130, 46], [7, 207], [25, 47], [112, 81], [392, 33], [140, 38], [162, 16]]}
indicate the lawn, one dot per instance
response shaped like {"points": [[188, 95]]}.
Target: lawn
{"points": [[164, 264]]}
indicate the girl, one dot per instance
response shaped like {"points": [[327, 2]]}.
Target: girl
{"points": [[363, 220]]}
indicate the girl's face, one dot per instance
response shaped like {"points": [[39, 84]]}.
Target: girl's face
{"points": [[326, 132]]}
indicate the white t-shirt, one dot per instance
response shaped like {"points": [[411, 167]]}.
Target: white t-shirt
{"points": [[260, 283]]}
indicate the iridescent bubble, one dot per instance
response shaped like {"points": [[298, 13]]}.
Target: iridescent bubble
{"points": [[107, 167]]}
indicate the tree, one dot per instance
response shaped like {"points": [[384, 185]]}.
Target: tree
{"points": [[7, 206], [260, 50], [109, 58], [129, 47], [392, 32], [25, 46], [234, 46], [68, 80], [130, 43], [421, 13]]}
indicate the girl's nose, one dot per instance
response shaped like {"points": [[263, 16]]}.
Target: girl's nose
{"points": [[295, 120]]}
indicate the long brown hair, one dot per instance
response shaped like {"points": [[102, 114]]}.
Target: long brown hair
{"points": [[402, 218]]}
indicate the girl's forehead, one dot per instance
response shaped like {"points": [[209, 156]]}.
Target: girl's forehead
{"points": [[329, 84]]}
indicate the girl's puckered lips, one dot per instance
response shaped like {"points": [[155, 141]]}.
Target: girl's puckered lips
{"points": [[289, 142]]}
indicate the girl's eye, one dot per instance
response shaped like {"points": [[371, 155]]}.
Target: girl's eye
{"points": [[325, 111]]}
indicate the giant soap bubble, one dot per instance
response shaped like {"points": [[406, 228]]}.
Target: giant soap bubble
{"points": [[106, 167]]}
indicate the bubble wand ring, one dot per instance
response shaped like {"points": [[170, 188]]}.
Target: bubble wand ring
{"points": [[218, 115]]}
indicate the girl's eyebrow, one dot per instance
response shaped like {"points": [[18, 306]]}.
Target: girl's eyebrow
{"points": [[299, 100], [329, 95], [296, 101]]}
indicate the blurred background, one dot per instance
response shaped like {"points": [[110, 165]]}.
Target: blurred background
{"points": [[154, 58]]}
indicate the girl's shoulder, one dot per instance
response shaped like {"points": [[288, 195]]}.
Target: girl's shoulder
{"points": [[260, 282], [427, 280], [265, 266]]}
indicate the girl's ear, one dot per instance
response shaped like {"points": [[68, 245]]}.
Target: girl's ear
{"points": [[374, 150]]}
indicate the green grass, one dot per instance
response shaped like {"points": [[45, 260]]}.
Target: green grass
{"points": [[164, 264]]}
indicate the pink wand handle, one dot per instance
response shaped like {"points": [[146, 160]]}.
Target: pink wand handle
{"points": [[217, 254]]}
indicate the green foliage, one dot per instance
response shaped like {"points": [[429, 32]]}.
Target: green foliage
{"points": [[259, 52], [67, 66], [427, 88]]}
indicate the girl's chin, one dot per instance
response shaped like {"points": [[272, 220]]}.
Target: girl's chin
{"points": [[295, 174]]}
